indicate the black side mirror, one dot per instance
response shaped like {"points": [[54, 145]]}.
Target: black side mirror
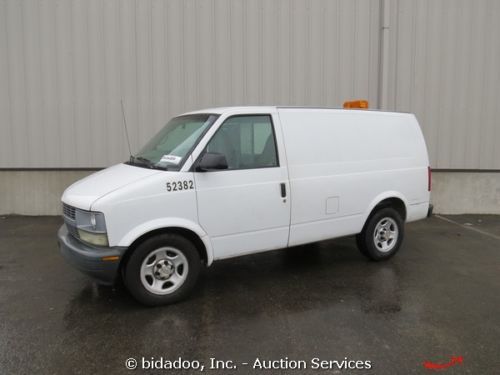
{"points": [[212, 161]]}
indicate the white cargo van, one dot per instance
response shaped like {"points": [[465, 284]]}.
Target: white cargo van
{"points": [[225, 182]]}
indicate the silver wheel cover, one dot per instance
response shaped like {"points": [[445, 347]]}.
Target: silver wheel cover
{"points": [[164, 270], [385, 235]]}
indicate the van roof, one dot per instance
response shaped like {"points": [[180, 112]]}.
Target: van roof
{"points": [[221, 110], [259, 109]]}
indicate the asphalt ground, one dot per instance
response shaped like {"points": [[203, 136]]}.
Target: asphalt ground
{"points": [[438, 298]]}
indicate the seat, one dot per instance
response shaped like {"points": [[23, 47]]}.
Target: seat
{"points": [[268, 156]]}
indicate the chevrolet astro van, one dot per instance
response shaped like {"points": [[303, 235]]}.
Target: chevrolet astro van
{"points": [[224, 182]]}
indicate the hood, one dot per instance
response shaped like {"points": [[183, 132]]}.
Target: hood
{"points": [[83, 193]]}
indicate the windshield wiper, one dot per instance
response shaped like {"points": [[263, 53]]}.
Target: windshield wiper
{"points": [[143, 159], [140, 160], [145, 162]]}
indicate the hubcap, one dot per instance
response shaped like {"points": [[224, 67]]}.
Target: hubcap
{"points": [[386, 234], [164, 270]]}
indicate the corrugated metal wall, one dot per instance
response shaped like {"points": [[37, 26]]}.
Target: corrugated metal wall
{"points": [[445, 65], [65, 64]]}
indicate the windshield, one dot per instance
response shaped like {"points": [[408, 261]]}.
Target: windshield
{"points": [[172, 144]]}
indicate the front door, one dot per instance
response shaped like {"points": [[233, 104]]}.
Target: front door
{"points": [[245, 208]]}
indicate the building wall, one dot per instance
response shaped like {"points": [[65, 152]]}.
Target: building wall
{"points": [[466, 192], [35, 192], [65, 65], [445, 68]]}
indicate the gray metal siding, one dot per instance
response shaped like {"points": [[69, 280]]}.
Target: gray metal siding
{"points": [[446, 70], [65, 64]]}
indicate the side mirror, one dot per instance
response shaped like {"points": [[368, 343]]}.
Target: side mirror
{"points": [[212, 161]]}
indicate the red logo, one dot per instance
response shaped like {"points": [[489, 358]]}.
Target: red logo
{"points": [[441, 366]]}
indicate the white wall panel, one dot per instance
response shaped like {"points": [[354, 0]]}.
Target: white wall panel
{"points": [[445, 62], [65, 65]]}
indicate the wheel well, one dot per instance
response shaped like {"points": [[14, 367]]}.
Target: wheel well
{"points": [[395, 203], [190, 235]]}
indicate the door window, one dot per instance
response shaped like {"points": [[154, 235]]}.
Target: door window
{"points": [[247, 142]]}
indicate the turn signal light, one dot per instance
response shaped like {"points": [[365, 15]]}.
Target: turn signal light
{"points": [[356, 104], [111, 258]]}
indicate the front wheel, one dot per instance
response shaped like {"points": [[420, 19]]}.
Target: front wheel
{"points": [[382, 234], [162, 270]]}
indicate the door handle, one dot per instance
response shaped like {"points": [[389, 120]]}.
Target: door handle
{"points": [[283, 190]]}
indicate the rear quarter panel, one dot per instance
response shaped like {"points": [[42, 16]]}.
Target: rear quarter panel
{"points": [[342, 163]]}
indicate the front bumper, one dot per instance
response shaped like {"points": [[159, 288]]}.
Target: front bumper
{"points": [[88, 259]]}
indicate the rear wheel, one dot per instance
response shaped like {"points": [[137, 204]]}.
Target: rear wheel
{"points": [[162, 270], [382, 234]]}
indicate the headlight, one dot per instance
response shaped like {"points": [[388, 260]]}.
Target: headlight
{"points": [[91, 227], [98, 239]]}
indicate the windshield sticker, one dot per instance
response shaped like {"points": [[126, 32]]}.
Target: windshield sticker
{"points": [[173, 159]]}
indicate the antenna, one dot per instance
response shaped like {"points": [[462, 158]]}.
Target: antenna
{"points": [[126, 130]]}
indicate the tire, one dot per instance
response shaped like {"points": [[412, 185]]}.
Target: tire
{"points": [[361, 247], [162, 270], [382, 234]]}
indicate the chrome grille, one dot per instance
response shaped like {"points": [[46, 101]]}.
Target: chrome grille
{"points": [[69, 211]]}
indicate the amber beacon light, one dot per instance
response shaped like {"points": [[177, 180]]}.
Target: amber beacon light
{"points": [[356, 104]]}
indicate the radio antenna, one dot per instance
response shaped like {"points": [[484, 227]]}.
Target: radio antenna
{"points": [[126, 130]]}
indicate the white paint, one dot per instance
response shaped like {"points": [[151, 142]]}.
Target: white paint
{"points": [[336, 166], [87, 190], [332, 205], [362, 157]]}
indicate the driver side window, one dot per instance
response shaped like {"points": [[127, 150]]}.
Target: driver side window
{"points": [[247, 142]]}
